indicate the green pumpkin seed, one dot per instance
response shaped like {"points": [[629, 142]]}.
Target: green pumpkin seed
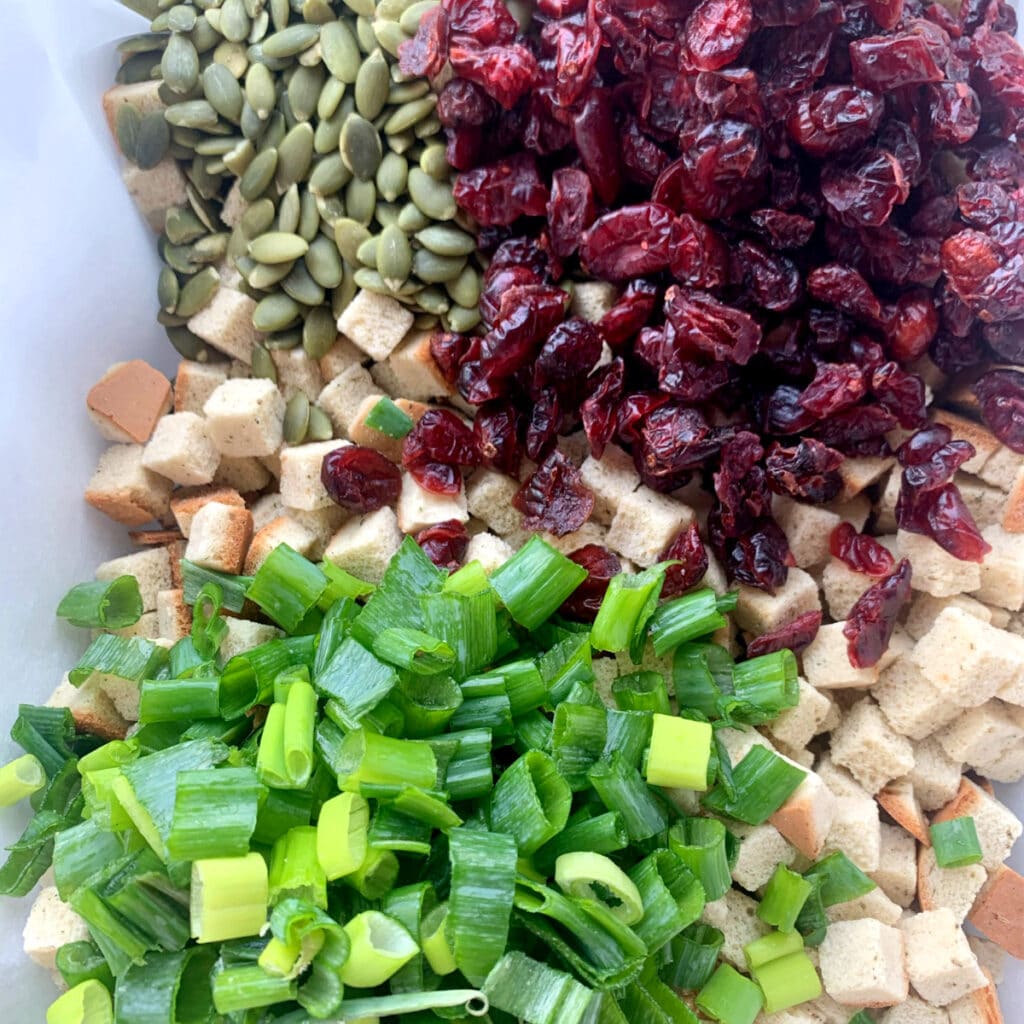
{"points": [[262, 365], [181, 18], [412, 219], [197, 292], [465, 289], [191, 114], [180, 64], [258, 175], [296, 418], [461, 319], [361, 200], [288, 211], [216, 145], [260, 27], [238, 158], [344, 293], [319, 332], [235, 23], [281, 340], [188, 345], [260, 90], [410, 19], [274, 132], [320, 426], [372, 84], [187, 138], [206, 180], [142, 42], [340, 51], [223, 92], [309, 217], [238, 246], [182, 226], [434, 198], [251, 124], [389, 35], [401, 143], [394, 256], [167, 289], [329, 176], [360, 147], [211, 249], [387, 214], [275, 313], [213, 20], [291, 41], [280, 12], [408, 115], [328, 131], [170, 319], [331, 95], [258, 218], [204, 36], [324, 262], [266, 275], [367, 253], [138, 68], [434, 162], [278, 247], [433, 300], [371, 281], [446, 240], [425, 321], [317, 12], [300, 285], [294, 155], [434, 269], [363, 8], [126, 128], [405, 92], [152, 140], [304, 91], [392, 10], [428, 127], [364, 33], [331, 209], [349, 235], [232, 56]]}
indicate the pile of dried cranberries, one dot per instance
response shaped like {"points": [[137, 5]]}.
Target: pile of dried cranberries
{"points": [[800, 200]]}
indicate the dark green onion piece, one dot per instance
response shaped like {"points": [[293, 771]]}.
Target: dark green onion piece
{"points": [[342, 584], [47, 734], [535, 582], [409, 905], [467, 624], [248, 678], [280, 811], [813, 922], [564, 665], [494, 713], [426, 703], [386, 418], [104, 604], [861, 1017], [765, 686], [840, 880], [629, 732], [414, 651], [530, 801], [368, 759], [170, 987], [693, 957], [784, 898], [233, 588], [642, 691], [393, 830], [650, 999], [287, 586], [626, 609], [605, 833], [955, 843], [700, 843], [448, 1004], [621, 789], [532, 991], [763, 782], [82, 961], [730, 998], [578, 741], [520, 681], [686, 618], [702, 675], [534, 731], [470, 773], [179, 700], [80, 852], [215, 813], [672, 896], [356, 680], [131, 658], [420, 805]]}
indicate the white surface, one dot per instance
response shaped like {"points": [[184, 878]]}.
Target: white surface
{"points": [[77, 285]]}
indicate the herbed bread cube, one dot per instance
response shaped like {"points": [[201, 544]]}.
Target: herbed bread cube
{"points": [[266, 509], [762, 849], [155, 190], [246, 475], [186, 505], [826, 662], [758, 612], [123, 489], [856, 829], [912, 705], [144, 96], [860, 472], [935, 775], [194, 384], [806, 818], [925, 609], [978, 1007], [300, 485], [592, 299], [219, 537], [323, 523], [936, 571], [735, 915], [843, 587], [1001, 468], [340, 357], [874, 905], [862, 964], [610, 478], [985, 503], [997, 826], [885, 507], [1002, 571], [128, 401], [375, 323], [1013, 508], [896, 874], [225, 322], [244, 635], [797, 726], [645, 524], [588, 533], [914, 1011], [364, 545], [283, 530], [93, 711], [410, 370], [991, 957], [990, 739], [342, 397], [297, 373], [173, 615], [941, 964], [245, 417], [489, 497], [490, 551], [866, 745], [998, 912], [956, 889], [151, 568], [419, 508], [181, 450], [807, 528], [362, 434], [899, 801], [51, 924]]}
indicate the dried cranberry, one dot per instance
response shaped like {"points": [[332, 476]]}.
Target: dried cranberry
{"points": [[570, 210], [437, 477], [464, 105], [774, 280], [598, 410], [760, 558], [784, 230], [543, 424], [487, 21], [630, 242], [885, 63], [360, 479], [741, 484], [688, 550], [698, 256], [631, 311], [858, 431], [886, 12], [601, 565], [594, 133], [784, 414], [501, 192], [506, 73], [495, 428], [901, 393], [954, 113], [447, 350], [860, 552], [570, 352], [870, 624], [808, 471], [984, 203], [675, 439], [576, 43], [440, 436], [786, 12], [423, 56], [795, 636], [722, 169], [554, 498], [1001, 393], [835, 119], [910, 325], [835, 386], [845, 289], [703, 324], [864, 191], [634, 409], [642, 158], [445, 543], [717, 31], [1006, 340]]}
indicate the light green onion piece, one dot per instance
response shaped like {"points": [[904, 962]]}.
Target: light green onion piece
{"points": [[730, 998], [535, 582], [287, 586], [470, 579], [342, 584], [765, 686], [861, 1017], [626, 609], [392, 830], [248, 678], [209, 628], [536, 993], [229, 897], [233, 588], [784, 898], [414, 651], [249, 987], [378, 947], [131, 658], [299, 723], [295, 869], [341, 834], [772, 946], [700, 843], [82, 961], [87, 1003], [386, 418], [642, 691], [694, 956], [593, 876], [839, 879], [763, 782], [376, 875], [367, 759], [680, 753], [104, 604], [604, 833], [356, 681], [434, 942], [215, 813], [788, 981], [621, 789], [955, 843], [20, 778], [374, 1008], [530, 802], [686, 618]]}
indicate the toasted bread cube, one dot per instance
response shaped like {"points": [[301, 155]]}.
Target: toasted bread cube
{"points": [[187, 505], [92, 710], [195, 383], [914, 1011], [611, 478], [128, 400], [937, 572], [147, 628], [245, 417], [245, 475], [985, 443], [375, 323], [806, 818], [340, 357], [1013, 509], [419, 508], [797, 726], [896, 874], [156, 190], [51, 924], [225, 322], [235, 205], [860, 472], [489, 497], [283, 530], [592, 299], [941, 965], [856, 829], [899, 801], [991, 957], [151, 568], [575, 447], [735, 915], [827, 665], [759, 612], [410, 370], [956, 889], [144, 96], [935, 775], [866, 745], [123, 489], [912, 705], [645, 524], [978, 1007], [874, 905], [997, 826], [364, 546], [266, 509], [807, 528], [885, 507], [1002, 572], [999, 911], [173, 615], [322, 523], [925, 609], [843, 587], [219, 537], [362, 434], [490, 551], [301, 465], [181, 450], [762, 849], [244, 635], [986, 504], [862, 963], [1001, 468], [990, 739], [343, 396], [297, 372]]}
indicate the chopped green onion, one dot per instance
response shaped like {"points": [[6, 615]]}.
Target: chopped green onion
{"points": [[392, 830], [131, 658], [20, 778], [233, 588], [672, 896], [372, 1009], [625, 610], [104, 604], [730, 998], [248, 678], [788, 981], [763, 783], [521, 681], [493, 713], [82, 961], [694, 955], [470, 579], [409, 906], [80, 852], [605, 833], [467, 623], [229, 897], [568, 662], [765, 686], [286, 586], [621, 789], [236, 989], [470, 773], [47, 734], [592, 876], [169, 987], [386, 418], [535, 582], [415, 803], [839, 879], [629, 732], [378, 947], [955, 843], [342, 584], [341, 834], [369, 763], [215, 813], [536, 993], [861, 1017], [649, 999], [578, 741], [686, 618], [414, 651], [280, 811], [295, 870], [376, 875], [426, 703], [700, 843], [356, 681], [179, 700], [784, 898], [642, 691], [772, 946], [434, 942], [87, 1003], [702, 674], [208, 626], [813, 922], [680, 753]]}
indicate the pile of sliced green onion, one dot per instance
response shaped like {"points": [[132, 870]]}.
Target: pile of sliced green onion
{"points": [[416, 803]]}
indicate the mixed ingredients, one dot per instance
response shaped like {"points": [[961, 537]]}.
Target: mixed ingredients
{"points": [[579, 569]]}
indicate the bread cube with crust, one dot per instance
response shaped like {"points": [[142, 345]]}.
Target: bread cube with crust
{"points": [[990, 739], [998, 912], [866, 745], [896, 874], [978, 1007], [843, 587], [862, 964], [762, 849], [759, 612], [985, 503], [301, 465], [914, 1011], [219, 537], [419, 508], [807, 528], [489, 497], [364, 545], [490, 551], [93, 711], [245, 417], [375, 323], [826, 662], [410, 370], [925, 609], [941, 964], [885, 507], [151, 567], [610, 478], [1013, 508], [645, 524], [186, 504], [297, 373], [283, 530], [997, 826], [1001, 468], [194, 383], [341, 356], [936, 571], [912, 705], [123, 489], [181, 450], [874, 905], [156, 189], [225, 322], [128, 400], [735, 916], [985, 443], [797, 726], [246, 475], [807, 817], [956, 889], [51, 924], [173, 615], [860, 472], [899, 801], [343, 396], [365, 435], [935, 775], [1002, 571]]}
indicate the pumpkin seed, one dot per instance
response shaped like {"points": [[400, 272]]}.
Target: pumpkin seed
{"points": [[274, 132], [410, 19], [412, 219], [425, 321], [266, 275], [260, 90], [461, 319], [205, 179], [288, 211], [402, 142], [317, 12], [235, 23], [223, 92], [324, 262], [138, 68], [232, 56], [296, 418], [238, 246], [258, 175], [349, 235], [367, 253], [434, 161], [216, 145], [394, 256], [170, 319], [294, 155], [320, 426], [197, 292], [409, 114], [280, 12], [260, 27], [340, 50], [191, 114], [329, 176], [262, 365], [331, 95], [371, 281], [309, 217], [434, 198], [434, 269], [372, 84], [290, 41], [213, 20], [404, 92], [387, 214], [126, 128], [182, 226], [328, 131], [389, 35], [142, 42], [330, 208], [465, 289], [300, 285], [364, 33], [364, 8], [181, 18], [187, 345], [446, 240], [360, 147], [428, 127], [204, 35], [278, 247], [275, 312], [180, 64], [304, 91], [433, 300], [211, 248], [238, 158], [167, 289], [319, 332], [281, 340], [392, 10], [361, 200], [257, 218], [178, 257], [251, 124]]}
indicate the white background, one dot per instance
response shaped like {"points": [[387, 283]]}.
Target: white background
{"points": [[77, 292]]}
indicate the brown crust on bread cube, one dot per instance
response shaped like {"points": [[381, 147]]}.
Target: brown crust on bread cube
{"points": [[193, 499], [152, 538], [998, 912], [129, 399], [898, 801]]}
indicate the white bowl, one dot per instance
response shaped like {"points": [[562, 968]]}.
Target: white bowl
{"points": [[77, 292]]}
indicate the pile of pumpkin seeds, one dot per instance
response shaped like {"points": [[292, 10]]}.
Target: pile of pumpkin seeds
{"points": [[296, 115]]}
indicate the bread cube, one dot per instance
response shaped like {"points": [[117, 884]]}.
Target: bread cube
{"points": [[185, 506], [588, 533], [978, 1007], [956, 889], [364, 545], [155, 190], [181, 450], [866, 745], [735, 916], [174, 617], [611, 478], [1012, 519], [297, 373], [997, 826], [806, 818], [860, 472], [123, 489], [935, 775], [219, 537], [826, 662], [419, 508], [912, 705], [244, 635], [914, 1011], [340, 357], [896, 874], [759, 612], [645, 524], [375, 323], [362, 434], [489, 497], [925, 609], [245, 417], [128, 400], [322, 523], [986, 504], [225, 322], [899, 801], [1001, 468], [592, 299], [194, 384], [410, 370], [862, 963], [856, 830], [885, 507], [51, 924], [144, 96], [936, 571], [343, 396], [874, 905], [762, 850], [797, 726], [301, 465], [91, 708], [843, 587], [1002, 572], [266, 509], [807, 528], [490, 551], [283, 530], [941, 965], [151, 568], [245, 475], [990, 739], [998, 912], [575, 447]]}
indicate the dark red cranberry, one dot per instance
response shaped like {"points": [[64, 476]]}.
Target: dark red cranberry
{"points": [[360, 479], [555, 498], [860, 552], [445, 543], [496, 428], [807, 472], [601, 565], [794, 636], [688, 550], [870, 624]]}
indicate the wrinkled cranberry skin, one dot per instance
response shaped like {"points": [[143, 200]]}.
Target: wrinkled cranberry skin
{"points": [[698, 256], [445, 543], [674, 440], [911, 325], [594, 133], [1001, 393], [437, 477], [760, 558], [447, 350], [885, 63], [555, 498], [570, 210], [845, 289], [570, 352], [864, 191], [440, 436], [423, 56], [598, 410], [501, 192], [487, 21], [631, 311], [687, 549], [505, 73], [784, 230], [464, 105], [717, 31], [860, 552], [774, 280], [495, 429], [795, 636], [703, 324], [807, 472], [585, 601], [870, 624], [901, 393], [630, 242], [360, 479], [835, 119], [1006, 340], [886, 12], [835, 386]]}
